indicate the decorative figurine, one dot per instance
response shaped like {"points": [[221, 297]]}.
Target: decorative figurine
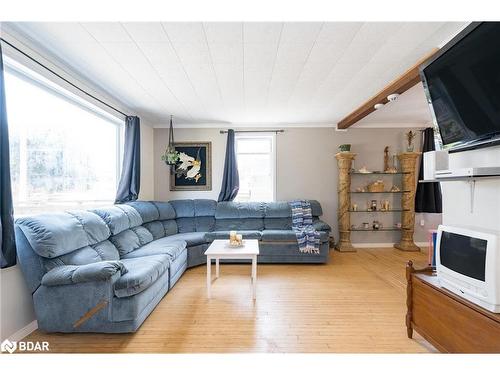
{"points": [[395, 189], [354, 207], [376, 225], [373, 205], [386, 159], [409, 137]]}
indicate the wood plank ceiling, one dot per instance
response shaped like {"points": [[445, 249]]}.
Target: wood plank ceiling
{"points": [[240, 73]]}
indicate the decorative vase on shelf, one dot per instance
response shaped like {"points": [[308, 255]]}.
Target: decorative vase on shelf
{"points": [[409, 138]]}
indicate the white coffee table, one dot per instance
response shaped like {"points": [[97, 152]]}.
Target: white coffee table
{"points": [[220, 249]]}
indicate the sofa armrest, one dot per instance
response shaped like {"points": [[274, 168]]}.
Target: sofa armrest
{"points": [[99, 271], [320, 225]]}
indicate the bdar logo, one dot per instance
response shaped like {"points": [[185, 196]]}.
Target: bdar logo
{"points": [[8, 346]]}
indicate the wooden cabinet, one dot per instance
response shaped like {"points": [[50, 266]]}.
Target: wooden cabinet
{"points": [[449, 322]]}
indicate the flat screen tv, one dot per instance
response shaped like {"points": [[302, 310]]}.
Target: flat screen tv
{"points": [[462, 85]]}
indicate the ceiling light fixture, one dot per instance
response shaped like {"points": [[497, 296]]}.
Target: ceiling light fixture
{"points": [[378, 106], [392, 97]]}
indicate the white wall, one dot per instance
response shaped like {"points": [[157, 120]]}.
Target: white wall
{"points": [[457, 196], [306, 168], [16, 306]]}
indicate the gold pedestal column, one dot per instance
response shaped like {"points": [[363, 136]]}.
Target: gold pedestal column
{"points": [[344, 162], [408, 161]]}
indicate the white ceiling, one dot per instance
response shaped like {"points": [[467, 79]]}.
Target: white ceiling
{"points": [[241, 73]]}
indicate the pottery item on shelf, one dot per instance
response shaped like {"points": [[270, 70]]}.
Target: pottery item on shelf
{"points": [[395, 188], [385, 205], [376, 225], [386, 159], [354, 207], [363, 170], [398, 225], [376, 186], [373, 205], [345, 148], [366, 225]]}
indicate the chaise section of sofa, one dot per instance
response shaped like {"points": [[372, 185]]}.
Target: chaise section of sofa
{"points": [[105, 270]]}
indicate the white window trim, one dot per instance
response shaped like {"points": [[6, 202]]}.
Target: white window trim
{"points": [[258, 135]]}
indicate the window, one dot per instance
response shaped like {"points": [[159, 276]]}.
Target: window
{"points": [[256, 157], [64, 152]]}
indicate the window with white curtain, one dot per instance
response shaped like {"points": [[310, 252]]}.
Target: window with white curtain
{"points": [[256, 156], [65, 153]]}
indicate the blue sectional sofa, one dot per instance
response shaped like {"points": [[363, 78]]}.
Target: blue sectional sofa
{"points": [[106, 269]]}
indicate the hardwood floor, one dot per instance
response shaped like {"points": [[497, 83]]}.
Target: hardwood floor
{"points": [[356, 303]]}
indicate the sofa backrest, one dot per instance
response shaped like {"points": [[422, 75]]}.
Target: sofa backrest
{"points": [[195, 215], [157, 217], [239, 215], [82, 237]]}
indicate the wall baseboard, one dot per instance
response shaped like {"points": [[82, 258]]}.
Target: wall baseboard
{"points": [[25, 331], [384, 244]]}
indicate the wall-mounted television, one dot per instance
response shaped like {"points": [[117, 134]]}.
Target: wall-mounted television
{"points": [[462, 85]]}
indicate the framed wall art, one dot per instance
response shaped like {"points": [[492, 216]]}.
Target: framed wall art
{"points": [[193, 169]]}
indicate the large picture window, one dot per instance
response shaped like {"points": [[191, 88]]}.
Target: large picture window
{"points": [[256, 156], [64, 153]]}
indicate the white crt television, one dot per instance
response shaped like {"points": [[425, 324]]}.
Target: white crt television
{"points": [[468, 264]]}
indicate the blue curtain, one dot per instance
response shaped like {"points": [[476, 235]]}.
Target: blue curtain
{"points": [[231, 179], [7, 239], [130, 180]]}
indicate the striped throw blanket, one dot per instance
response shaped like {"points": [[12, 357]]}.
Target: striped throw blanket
{"points": [[307, 237]]}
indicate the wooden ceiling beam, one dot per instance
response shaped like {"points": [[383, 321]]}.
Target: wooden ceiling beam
{"points": [[401, 84]]}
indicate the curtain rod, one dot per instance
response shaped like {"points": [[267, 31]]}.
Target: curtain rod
{"points": [[64, 79], [255, 131]]}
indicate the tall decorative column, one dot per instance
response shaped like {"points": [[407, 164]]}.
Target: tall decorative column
{"points": [[408, 161], [344, 162]]}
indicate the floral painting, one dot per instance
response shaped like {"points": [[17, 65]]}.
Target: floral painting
{"points": [[193, 169]]}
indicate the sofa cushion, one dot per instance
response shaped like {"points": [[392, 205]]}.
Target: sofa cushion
{"points": [[191, 238], [165, 246], [170, 227], [286, 235], [156, 229], [224, 235], [95, 228], [316, 209], [103, 251], [239, 224], [148, 211], [321, 226], [125, 241], [204, 207], [205, 223], [53, 234], [119, 217], [165, 209], [277, 209], [141, 273], [186, 224], [239, 210], [143, 234], [280, 223], [183, 207]]}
